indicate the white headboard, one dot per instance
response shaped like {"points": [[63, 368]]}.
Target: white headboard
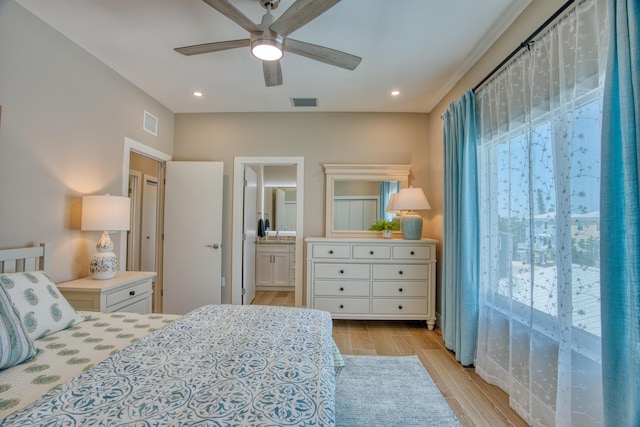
{"points": [[26, 259]]}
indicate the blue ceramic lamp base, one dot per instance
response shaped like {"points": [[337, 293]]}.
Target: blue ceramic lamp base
{"points": [[411, 226]]}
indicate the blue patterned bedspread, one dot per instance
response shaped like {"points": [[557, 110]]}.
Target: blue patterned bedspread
{"points": [[220, 365]]}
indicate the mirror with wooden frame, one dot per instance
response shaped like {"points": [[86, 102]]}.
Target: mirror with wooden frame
{"points": [[357, 195]]}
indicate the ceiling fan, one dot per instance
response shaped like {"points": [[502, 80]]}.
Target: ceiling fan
{"points": [[269, 40]]}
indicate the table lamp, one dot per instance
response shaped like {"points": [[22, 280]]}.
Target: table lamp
{"points": [[105, 213], [411, 200]]}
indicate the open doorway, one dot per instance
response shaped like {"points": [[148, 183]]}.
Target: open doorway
{"points": [[143, 181], [239, 257]]}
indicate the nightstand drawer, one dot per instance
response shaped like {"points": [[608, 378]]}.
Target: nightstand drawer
{"points": [[130, 293], [137, 304]]}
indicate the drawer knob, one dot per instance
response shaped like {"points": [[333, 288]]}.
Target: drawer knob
{"points": [[413, 253], [331, 252], [132, 293], [400, 290], [341, 271], [370, 252], [400, 272], [400, 307], [341, 289], [341, 305]]}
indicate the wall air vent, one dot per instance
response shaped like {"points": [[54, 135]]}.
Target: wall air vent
{"points": [[150, 123], [304, 102]]}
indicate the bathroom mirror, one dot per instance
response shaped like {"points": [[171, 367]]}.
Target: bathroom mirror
{"points": [[280, 208], [356, 196], [279, 192]]}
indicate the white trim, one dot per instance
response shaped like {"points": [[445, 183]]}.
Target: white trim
{"points": [[130, 146], [239, 164]]}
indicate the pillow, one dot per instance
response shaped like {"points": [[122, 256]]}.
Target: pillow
{"points": [[41, 307], [15, 344]]}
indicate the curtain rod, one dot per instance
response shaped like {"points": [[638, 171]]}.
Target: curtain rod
{"points": [[525, 43]]}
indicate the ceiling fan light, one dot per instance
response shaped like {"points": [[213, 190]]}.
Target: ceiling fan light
{"points": [[267, 49]]}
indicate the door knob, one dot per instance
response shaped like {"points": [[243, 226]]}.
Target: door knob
{"points": [[214, 246]]}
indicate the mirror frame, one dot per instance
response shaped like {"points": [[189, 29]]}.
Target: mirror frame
{"points": [[358, 172]]}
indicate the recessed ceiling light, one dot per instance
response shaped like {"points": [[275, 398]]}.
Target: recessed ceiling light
{"points": [[395, 92], [198, 94]]}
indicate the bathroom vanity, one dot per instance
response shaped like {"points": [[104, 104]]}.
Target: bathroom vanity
{"points": [[275, 265]]}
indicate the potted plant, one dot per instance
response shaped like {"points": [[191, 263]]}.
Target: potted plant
{"points": [[387, 227]]}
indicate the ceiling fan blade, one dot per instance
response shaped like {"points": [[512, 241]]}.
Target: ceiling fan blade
{"points": [[212, 47], [322, 54], [230, 11], [301, 12], [272, 73]]}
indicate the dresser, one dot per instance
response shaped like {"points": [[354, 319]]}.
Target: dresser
{"points": [[128, 291], [372, 278]]}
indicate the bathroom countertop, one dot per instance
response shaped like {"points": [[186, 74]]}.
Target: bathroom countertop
{"points": [[276, 242]]}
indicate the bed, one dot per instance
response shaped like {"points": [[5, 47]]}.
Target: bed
{"points": [[218, 365]]}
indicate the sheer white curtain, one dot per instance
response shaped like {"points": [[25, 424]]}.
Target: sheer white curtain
{"points": [[539, 172]]}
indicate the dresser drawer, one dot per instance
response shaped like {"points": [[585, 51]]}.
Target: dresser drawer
{"points": [[343, 305], [400, 271], [341, 271], [413, 252], [400, 289], [331, 251], [400, 306], [130, 293], [341, 288], [371, 252]]}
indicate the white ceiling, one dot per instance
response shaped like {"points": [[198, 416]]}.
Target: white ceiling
{"points": [[419, 47]]}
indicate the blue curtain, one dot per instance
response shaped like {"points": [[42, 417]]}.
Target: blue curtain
{"points": [[461, 242], [387, 188], [620, 216]]}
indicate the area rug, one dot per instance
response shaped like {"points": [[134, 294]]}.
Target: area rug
{"points": [[385, 391]]}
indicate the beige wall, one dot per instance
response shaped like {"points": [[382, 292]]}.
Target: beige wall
{"points": [[64, 119], [318, 137]]}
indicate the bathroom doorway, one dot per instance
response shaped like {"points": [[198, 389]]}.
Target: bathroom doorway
{"points": [[239, 259]]}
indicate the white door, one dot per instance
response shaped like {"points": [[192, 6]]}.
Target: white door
{"points": [[192, 236], [250, 226], [148, 224]]}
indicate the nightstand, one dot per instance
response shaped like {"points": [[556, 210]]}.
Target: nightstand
{"points": [[128, 291]]}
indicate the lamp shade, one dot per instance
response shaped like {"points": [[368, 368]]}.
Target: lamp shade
{"points": [[411, 199], [391, 206], [105, 213]]}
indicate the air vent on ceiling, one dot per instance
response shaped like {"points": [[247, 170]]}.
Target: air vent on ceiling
{"points": [[304, 102]]}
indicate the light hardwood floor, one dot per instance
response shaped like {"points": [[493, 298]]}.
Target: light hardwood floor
{"points": [[475, 403]]}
